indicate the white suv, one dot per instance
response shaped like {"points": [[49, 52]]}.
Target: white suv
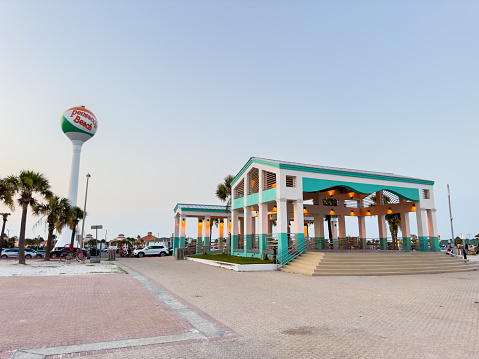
{"points": [[151, 251]]}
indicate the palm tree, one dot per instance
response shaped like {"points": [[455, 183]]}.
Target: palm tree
{"points": [[6, 196], [75, 215], [223, 191], [55, 212], [27, 183], [330, 202], [393, 219]]}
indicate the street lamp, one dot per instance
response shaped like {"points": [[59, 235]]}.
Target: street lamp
{"points": [[84, 210]]}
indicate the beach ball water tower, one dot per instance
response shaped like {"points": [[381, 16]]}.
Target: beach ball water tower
{"points": [[79, 125]]}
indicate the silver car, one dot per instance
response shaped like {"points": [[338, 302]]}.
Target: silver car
{"points": [[151, 251], [13, 253]]}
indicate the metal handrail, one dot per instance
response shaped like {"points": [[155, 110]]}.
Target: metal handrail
{"points": [[290, 253]]}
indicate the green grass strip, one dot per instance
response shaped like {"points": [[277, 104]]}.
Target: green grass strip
{"points": [[231, 259]]}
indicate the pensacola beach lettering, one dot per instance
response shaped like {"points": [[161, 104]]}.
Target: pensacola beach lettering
{"points": [[83, 123]]}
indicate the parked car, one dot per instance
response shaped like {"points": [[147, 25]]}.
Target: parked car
{"points": [[13, 253], [151, 251], [57, 252], [41, 254]]}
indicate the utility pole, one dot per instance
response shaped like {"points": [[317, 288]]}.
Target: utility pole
{"points": [[450, 214], [84, 211]]}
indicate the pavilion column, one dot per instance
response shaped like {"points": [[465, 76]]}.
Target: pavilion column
{"points": [[176, 236], [199, 238], [234, 230], [383, 235], [182, 243], [342, 232], [422, 237], [299, 225], [248, 223], [406, 232], [262, 226], [432, 229], [362, 232], [282, 225], [319, 232], [221, 226], [207, 234]]}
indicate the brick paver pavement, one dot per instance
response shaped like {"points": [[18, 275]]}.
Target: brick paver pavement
{"points": [[63, 310], [282, 315]]}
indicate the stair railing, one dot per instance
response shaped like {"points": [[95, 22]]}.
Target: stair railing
{"points": [[290, 253]]}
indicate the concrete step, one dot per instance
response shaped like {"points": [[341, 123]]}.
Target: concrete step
{"points": [[383, 263], [382, 273]]}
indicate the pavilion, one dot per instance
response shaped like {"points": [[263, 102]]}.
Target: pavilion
{"points": [[292, 196]]}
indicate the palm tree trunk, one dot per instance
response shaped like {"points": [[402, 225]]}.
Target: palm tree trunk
{"points": [[51, 227], [3, 232], [21, 240], [330, 229], [73, 236]]}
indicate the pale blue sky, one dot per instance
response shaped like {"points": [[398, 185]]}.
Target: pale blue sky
{"points": [[186, 91]]}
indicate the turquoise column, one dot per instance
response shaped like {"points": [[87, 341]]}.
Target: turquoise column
{"points": [[247, 245], [234, 243], [363, 243], [182, 242], [262, 243], [423, 244], [434, 244], [383, 244], [176, 241], [406, 243], [199, 242], [282, 242], [300, 242], [320, 243], [206, 242]]}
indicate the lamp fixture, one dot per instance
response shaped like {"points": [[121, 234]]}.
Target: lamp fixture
{"points": [[275, 209], [413, 208], [352, 213], [389, 210], [368, 213], [305, 211], [331, 212]]}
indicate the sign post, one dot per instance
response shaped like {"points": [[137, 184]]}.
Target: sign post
{"points": [[97, 227]]}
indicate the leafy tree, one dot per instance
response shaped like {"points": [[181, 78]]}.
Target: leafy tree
{"points": [[55, 212], [27, 184]]}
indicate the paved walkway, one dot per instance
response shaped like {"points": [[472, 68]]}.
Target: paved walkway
{"points": [[271, 314]]}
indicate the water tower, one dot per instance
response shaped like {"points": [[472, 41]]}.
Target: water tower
{"points": [[79, 125]]}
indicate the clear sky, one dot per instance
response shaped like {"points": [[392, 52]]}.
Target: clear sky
{"points": [[186, 91]]}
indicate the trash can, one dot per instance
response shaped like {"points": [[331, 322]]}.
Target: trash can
{"points": [[111, 255]]}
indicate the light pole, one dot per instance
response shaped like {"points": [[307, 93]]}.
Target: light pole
{"points": [[84, 210], [4, 215], [450, 215]]}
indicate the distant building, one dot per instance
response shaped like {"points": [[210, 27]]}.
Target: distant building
{"points": [[151, 240]]}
